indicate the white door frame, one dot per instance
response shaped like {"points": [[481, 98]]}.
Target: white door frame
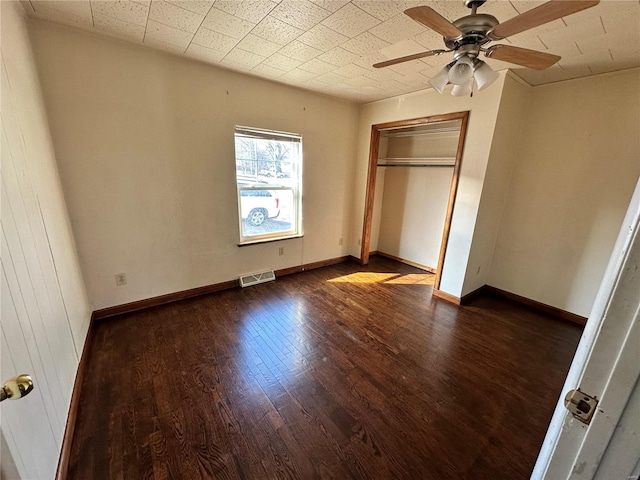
{"points": [[605, 364]]}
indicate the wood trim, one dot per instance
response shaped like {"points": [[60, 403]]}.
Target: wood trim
{"points": [[195, 292], [406, 262], [453, 192], [72, 417], [465, 299], [371, 182], [365, 241], [162, 299], [445, 296], [542, 307], [313, 265]]}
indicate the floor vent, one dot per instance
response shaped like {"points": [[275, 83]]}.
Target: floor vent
{"points": [[255, 278]]}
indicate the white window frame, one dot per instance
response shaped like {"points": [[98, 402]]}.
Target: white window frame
{"points": [[295, 187]]}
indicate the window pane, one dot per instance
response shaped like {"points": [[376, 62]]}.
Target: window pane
{"points": [[268, 172]]}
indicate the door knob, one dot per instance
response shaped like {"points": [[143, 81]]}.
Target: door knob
{"points": [[16, 387]]}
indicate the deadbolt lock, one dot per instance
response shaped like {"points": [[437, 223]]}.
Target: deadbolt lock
{"points": [[581, 405]]}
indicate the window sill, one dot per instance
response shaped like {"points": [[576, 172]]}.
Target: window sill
{"points": [[269, 240]]}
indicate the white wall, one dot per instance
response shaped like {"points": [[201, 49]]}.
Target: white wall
{"points": [[503, 155], [144, 141], [414, 208], [45, 311], [577, 164], [484, 110]]}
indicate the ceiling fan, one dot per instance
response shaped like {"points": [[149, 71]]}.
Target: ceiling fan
{"points": [[467, 36]]}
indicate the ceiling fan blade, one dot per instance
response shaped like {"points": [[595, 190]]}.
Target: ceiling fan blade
{"points": [[428, 17], [545, 13], [522, 56], [415, 56]]}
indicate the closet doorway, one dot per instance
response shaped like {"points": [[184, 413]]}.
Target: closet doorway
{"points": [[414, 166]]}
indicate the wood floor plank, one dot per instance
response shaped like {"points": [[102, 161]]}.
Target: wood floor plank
{"points": [[343, 372]]}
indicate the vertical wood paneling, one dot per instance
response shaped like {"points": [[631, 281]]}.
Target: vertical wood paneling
{"points": [[37, 327]]}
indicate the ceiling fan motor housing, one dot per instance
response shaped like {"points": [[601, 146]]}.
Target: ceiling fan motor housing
{"points": [[474, 28]]}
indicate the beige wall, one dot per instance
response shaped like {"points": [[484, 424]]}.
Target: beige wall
{"points": [[414, 208], [45, 310], [145, 147], [504, 146], [577, 164], [484, 110]]}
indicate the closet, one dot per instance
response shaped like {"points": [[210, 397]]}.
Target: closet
{"points": [[413, 175]]}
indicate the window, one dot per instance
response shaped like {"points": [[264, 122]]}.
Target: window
{"points": [[268, 177]]}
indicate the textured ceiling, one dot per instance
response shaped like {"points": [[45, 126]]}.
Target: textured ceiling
{"points": [[329, 46]]}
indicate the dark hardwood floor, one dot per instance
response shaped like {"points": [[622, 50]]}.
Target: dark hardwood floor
{"points": [[341, 372]]}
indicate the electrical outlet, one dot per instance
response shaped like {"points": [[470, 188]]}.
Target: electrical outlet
{"points": [[479, 267], [121, 279], [341, 241], [359, 241], [281, 251]]}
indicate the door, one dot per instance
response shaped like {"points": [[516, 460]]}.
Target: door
{"points": [[606, 365]]}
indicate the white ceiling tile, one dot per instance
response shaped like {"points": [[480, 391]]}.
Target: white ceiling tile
{"points": [[575, 71], [81, 9], [160, 33], [587, 27], [362, 82], [205, 54], [339, 57], [299, 13], [568, 49], [429, 39], [164, 46], [330, 5], [242, 57], [196, 6], [300, 51], [281, 62], [330, 78], [276, 31], [227, 24], [260, 46], [214, 40], [350, 21], [601, 39], [381, 10], [368, 60], [602, 43], [397, 29], [365, 44], [299, 75], [250, 10], [59, 16], [402, 49], [174, 16], [322, 38], [268, 71], [317, 66], [119, 28], [619, 15], [123, 10], [350, 71]]}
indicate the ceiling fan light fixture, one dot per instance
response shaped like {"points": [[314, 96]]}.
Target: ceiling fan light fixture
{"points": [[484, 74], [440, 80], [462, 70], [463, 90]]}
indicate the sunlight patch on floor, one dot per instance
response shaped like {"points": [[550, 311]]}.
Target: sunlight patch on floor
{"points": [[364, 277], [414, 279], [391, 278]]}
